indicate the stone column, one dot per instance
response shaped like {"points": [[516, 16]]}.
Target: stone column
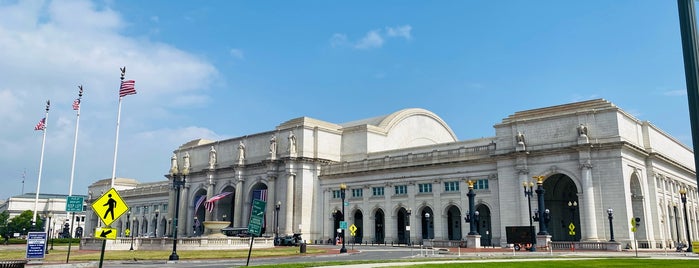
{"points": [[209, 193], [182, 220], [289, 215], [238, 217], [589, 230], [271, 201]]}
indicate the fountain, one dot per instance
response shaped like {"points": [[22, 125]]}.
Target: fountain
{"points": [[214, 228]]}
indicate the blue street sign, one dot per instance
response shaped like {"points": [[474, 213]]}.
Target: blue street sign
{"points": [[36, 245]]}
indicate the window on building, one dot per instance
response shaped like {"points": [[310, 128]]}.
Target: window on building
{"points": [[481, 184], [357, 192], [425, 187], [451, 186], [145, 210], [164, 207], [377, 191], [337, 194], [401, 189]]}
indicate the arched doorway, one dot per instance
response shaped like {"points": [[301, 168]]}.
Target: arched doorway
{"points": [[337, 218], [453, 223], [379, 224], [561, 199], [401, 226], [226, 206], [359, 223], [199, 212], [258, 192], [484, 227], [638, 211], [427, 223]]}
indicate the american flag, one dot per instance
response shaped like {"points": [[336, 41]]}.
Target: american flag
{"points": [[198, 203], [76, 104], [41, 125], [209, 204], [127, 88]]}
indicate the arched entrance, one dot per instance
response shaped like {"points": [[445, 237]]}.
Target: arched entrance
{"points": [[561, 199], [427, 223], [637, 208], [453, 223], [379, 224], [258, 192], [226, 206], [359, 223], [337, 218], [484, 227], [199, 213], [401, 225]]}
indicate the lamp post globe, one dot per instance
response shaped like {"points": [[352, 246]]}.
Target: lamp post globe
{"points": [[610, 216], [528, 193], [277, 207], [155, 230], [427, 221]]}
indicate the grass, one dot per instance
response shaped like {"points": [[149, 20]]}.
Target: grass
{"points": [[59, 255]]}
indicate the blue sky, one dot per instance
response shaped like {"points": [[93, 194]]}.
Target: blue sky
{"points": [[223, 69]]}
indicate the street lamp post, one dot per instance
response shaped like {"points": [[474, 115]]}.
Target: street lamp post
{"points": [[277, 207], [53, 229], [543, 213], [683, 196], [343, 187], [572, 205], [128, 227], [427, 217], [610, 216], [529, 192], [410, 211], [473, 222], [178, 180], [48, 230], [155, 231]]}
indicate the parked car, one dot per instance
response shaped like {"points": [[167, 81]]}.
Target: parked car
{"points": [[290, 240], [236, 231]]}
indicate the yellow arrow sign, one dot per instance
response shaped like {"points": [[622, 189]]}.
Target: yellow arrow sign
{"points": [[106, 233], [109, 207]]}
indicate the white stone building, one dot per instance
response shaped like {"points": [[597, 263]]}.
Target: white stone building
{"points": [[400, 167], [47, 204]]}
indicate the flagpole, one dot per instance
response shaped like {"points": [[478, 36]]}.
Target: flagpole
{"points": [[41, 163], [116, 141], [75, 143]]}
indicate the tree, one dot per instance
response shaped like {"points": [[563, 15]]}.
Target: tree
{"points": [[22, 223], [4, 217]]}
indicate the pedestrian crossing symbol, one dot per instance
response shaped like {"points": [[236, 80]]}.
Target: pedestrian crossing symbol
{"points": [[109, 207]]}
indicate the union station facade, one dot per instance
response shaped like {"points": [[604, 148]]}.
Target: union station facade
{"points": [[407, 179]]}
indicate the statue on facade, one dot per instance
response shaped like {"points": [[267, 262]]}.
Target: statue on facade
{"points": [[241, 151], [582, 130], [521, 145], [173, 164], [273, 146], [185, 167], [292, 143], [212, 157]]}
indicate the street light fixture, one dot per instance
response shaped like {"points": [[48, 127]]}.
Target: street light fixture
{"points": [[343, 188], [128, 227], [155, 231], [610, 216], [471, 217], [529, 192], [179, 177], [683, 196], [277, 207]]}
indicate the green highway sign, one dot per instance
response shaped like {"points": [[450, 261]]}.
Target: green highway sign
{"points": [[74, 203], [343, 225], [257, 217]]}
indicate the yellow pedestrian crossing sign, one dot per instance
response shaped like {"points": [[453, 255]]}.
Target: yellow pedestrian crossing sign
{"points": [[109, 207], [571, 228], [127, 232], [106, 233]]}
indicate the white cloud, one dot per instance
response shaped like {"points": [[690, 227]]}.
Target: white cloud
{"points": [[400, 31], [373, 39], [48, 48]]}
